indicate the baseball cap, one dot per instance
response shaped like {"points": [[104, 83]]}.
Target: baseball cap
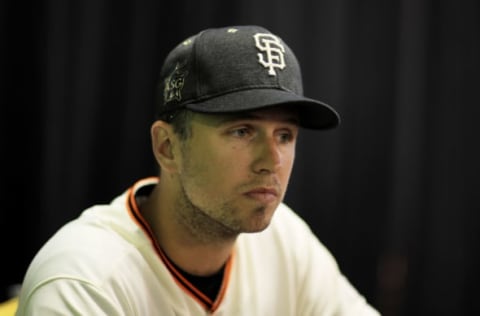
{"points": [[237, 68]]}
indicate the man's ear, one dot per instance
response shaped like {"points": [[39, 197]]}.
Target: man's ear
{"points": [[163, 140]]}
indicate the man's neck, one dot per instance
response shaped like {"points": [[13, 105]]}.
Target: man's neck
{"points": [[198, 255]]}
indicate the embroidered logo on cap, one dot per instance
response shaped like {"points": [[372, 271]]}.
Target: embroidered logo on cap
{"points": [[273, 52], [174, 84]]}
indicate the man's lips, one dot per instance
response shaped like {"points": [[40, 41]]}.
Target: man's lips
{"points": [[263, 194]]}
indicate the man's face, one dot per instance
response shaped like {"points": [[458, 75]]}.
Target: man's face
{"points": [[234, 169]]}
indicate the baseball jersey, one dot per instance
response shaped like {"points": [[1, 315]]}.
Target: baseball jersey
{"points": [[106, 262]]}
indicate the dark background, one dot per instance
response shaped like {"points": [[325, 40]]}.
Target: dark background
{"points": [[393, 192]]}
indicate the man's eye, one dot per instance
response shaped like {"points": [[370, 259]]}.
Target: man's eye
{"points": [[240, 132], [286, 137]]}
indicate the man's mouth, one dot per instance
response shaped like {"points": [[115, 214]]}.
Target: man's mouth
{"points": [[263, 194]]}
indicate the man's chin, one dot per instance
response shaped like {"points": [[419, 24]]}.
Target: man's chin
{"points": [[259, 223], [256, 229]]}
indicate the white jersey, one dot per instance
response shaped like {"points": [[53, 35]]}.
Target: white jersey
{"points": [[106, 263]]}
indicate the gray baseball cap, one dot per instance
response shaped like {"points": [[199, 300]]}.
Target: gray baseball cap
{"points": [[237, 68]]}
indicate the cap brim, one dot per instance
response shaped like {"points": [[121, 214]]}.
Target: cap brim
{"points": [[313, 114]]}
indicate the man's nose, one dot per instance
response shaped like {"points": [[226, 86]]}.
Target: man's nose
{"points": [[269, 156]]}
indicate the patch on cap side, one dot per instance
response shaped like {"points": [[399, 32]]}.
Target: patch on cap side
{"points": [[174, 84]]}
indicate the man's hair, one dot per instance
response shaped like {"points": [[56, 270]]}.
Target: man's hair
{"points": [[180, 120]]}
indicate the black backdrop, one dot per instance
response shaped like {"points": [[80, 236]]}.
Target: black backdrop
{"points": [[392, 192]]}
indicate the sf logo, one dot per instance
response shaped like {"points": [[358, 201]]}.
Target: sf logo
{"points": [[273, 52]]}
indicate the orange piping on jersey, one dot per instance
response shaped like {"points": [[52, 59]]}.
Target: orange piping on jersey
{"points": [[225, 282], [132, 206], [181, 281], [185, 284]]}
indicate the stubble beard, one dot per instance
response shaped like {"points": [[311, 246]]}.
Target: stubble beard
{"points": [[201, 225]]}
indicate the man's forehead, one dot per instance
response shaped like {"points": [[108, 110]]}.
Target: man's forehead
{"points": [[278, 113]]}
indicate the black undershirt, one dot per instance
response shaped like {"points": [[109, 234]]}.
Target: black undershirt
{"points": [[208, 285]]}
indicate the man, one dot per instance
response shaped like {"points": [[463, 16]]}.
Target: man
{"points": [[210, 235]]}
